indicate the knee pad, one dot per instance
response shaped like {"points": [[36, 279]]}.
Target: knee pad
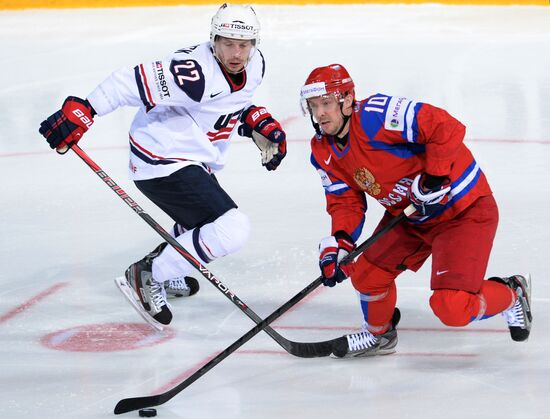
{"points": [[456, 308], [227, 234]]}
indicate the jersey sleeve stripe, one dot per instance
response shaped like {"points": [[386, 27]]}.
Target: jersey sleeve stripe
{"points": [[263, 63], [357, 232], [143, 88], [314, 162], [459, 188], [410, 120], [337, 188], [466, 181], [149, 96]]}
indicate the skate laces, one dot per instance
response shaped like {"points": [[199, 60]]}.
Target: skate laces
{"points": [[515, 315], [178, 284], [158, 295], [362, 340]]}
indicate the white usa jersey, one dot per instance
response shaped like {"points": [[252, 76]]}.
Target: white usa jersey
{"points": [[189, 108]]}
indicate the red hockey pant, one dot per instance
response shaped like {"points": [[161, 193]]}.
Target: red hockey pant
{"points": [[460, 250]]}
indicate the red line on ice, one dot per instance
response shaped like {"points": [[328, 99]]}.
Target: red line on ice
{"points": [[22, 307], [400, 329], [437, 354], [291, 140], [416, 354], [183, 376]]}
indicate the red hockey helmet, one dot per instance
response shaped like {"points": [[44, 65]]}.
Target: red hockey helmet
{"points": [[331, 79]]}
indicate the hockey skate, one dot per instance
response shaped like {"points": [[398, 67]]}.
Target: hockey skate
{"points": [[365, 344], [146, 295], [181, 287], [519, 317]]}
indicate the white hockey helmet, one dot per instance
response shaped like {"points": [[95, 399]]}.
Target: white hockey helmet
{"points": [[235, 21]]}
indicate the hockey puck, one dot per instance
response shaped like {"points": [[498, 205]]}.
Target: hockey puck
{"points": [[147, 413]]}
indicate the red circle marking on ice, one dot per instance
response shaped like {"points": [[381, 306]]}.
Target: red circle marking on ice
{"points": [[106, 337]]}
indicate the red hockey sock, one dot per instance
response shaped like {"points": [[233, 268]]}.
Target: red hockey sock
{"points": [[377, 294], [378, 310], [498, 297]]}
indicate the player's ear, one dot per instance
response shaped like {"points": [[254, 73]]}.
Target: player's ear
{"points": [[348, 104]]}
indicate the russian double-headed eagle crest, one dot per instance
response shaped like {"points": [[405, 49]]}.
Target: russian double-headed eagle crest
{"points": [[365, 180]]}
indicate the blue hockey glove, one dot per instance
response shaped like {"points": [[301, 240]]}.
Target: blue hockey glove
{"points": [[67, 126], [429, 194]]}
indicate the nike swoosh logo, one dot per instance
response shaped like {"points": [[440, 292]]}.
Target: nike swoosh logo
{"points": [[441, 272], [327, 161], [215, 94]]}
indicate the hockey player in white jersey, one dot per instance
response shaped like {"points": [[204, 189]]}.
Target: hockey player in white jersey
{"points": [[190, 105]]}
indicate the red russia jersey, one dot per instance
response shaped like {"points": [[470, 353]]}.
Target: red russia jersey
{"points": [[391, 140]]}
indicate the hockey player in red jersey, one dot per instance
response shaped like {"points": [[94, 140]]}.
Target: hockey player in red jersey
{"points": [[402, 152], [190, 104]]}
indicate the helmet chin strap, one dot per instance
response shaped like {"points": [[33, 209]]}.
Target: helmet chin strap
{"points": [[315, 125], [345, 119]]}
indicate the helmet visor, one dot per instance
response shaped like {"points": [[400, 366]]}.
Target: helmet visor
{"points": [[308, 91]]}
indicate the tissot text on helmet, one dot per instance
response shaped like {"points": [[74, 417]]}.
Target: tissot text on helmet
{"points": [[235, 22]]}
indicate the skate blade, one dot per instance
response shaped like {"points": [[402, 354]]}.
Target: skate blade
{"points": [[173, 296], [527, 277], [133, 298], [529, 302]]}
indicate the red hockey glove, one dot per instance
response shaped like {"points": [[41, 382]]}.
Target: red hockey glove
{"points": [[332, 250], [66, 127], [257, 118], [267, 134], [429, 194]]}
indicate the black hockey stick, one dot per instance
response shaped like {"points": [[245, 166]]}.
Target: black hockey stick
{"points": [[127, 405], [299, 349]]}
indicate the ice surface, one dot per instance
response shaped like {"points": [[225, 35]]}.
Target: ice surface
{"points": [[71, 347]]}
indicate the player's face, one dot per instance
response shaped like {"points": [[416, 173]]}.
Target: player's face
{"points": [[327, 113], [233, 53]]}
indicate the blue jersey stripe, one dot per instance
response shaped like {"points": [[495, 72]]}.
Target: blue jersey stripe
{"points": [[459, 189], [135, 151], [357, 232], [141, 89], [411, 133], [401, 150], [336, 189], [314, 162]]}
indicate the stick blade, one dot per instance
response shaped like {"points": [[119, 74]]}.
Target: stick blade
{"points": [[135, 403], [311, 350]]}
